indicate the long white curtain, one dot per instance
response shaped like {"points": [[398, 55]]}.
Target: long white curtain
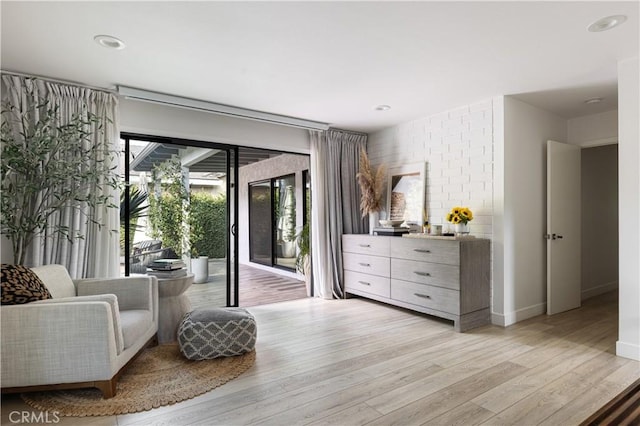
{"points": [[97, 254], [335, 205]]}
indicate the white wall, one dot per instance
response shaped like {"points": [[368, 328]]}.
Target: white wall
{"points": [[160, 120], [628, 344], [593, 129], [599, 220], [598, 135], [523, 217]]}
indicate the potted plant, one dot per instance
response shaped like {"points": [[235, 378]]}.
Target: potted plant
{"points": [[199, 262], [45, 170], [199, 266], [460, 217], [137, 206], [303, 260], [371, 185]]}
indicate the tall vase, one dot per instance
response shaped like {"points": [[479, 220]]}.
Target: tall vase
{"points": [[461, 228], [374, 217]]}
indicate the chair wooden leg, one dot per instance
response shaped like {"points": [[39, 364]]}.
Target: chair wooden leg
{"points": [[108, 387]]}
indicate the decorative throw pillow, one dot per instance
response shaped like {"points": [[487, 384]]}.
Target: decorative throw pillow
{"points": [[21, 285]]}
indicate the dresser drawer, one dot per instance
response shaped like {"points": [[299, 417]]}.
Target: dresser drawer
{"points": [[438, 298], [365, 244], [437, 274], [425, 250], [367, 264], [368, 283]]}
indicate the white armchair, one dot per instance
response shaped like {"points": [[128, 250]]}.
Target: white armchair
{"points": [[83, 337]]}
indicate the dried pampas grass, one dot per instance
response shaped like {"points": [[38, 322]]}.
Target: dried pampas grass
{"points": [[371, 185]]}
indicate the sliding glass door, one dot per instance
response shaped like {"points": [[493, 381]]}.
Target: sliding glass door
{"points": [[260, 223], [180, 201], [273, 222]]}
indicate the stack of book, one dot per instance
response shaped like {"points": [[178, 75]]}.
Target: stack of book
{"points": [[392, 231], [167, 268]]}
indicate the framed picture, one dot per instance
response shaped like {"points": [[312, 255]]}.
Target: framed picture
{"points": [[406, 193]]}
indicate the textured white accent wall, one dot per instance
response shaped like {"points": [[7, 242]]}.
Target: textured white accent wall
{"points": [[457, 146]]}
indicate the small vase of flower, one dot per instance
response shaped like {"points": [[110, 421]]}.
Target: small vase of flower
{"points": [[460, 218]]}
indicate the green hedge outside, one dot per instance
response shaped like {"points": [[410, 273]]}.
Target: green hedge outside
{"points": [[208, 217], [165, 216]]}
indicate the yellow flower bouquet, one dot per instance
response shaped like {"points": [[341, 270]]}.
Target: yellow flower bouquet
{"points": [[460, 215]]}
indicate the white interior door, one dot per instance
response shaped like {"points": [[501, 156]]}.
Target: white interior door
{"points": [[563, 227]]}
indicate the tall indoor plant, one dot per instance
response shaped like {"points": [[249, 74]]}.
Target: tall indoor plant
{"points": [[48, 166]]}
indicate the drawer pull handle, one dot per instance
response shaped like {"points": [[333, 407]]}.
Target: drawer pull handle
{"points": [[364, 283], [424, 296], [422, 250], [365, 245], [422, 274], [364, 264]]}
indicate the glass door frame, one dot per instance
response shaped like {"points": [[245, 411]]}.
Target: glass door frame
{"points": [[252, 234], [273, 232], [232, 249]]}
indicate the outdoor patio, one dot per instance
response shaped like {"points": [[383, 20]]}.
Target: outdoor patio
{"points": [[256, 287]]}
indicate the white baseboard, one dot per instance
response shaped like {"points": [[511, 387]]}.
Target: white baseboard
{"points": [[277, 271], [598, 290], [522, 314], [628, 350], [497, 319]]}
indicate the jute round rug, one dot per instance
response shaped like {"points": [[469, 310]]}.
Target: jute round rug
{"points": [[159, 376]]}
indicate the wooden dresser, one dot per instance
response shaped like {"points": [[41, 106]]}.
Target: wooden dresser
{"points": [[448, 278]]}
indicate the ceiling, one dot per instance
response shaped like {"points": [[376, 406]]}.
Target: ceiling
{"points": [[156, 153], [332, 61]]}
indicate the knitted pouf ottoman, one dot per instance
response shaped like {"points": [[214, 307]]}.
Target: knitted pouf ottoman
{"points": [[213, 333]]}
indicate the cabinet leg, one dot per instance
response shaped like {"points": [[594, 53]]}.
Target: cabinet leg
{"points": [[472, 320]]}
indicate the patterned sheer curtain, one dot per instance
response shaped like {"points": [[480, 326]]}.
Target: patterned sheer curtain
{"points": [[335, 205], [97, 253]]}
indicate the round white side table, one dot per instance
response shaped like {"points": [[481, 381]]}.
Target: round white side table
{"points": [[173, 305]]}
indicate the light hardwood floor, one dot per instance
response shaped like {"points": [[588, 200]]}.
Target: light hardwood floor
{"points": [[353, 362]]}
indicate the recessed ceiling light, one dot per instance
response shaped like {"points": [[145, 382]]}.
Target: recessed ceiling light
{"points": [[593, 101], [109, 42], [607, 23], [382, 108]]}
